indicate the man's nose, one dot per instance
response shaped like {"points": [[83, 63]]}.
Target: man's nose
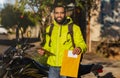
{"points": [[59, 14]]}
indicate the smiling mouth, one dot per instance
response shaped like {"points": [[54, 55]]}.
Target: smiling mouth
{"points": [[59, 18]]}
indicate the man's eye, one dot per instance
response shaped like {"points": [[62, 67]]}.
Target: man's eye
{"points": [[62, 12], [56, 12], [59, 12]]}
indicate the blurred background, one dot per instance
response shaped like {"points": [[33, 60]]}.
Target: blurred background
{"points": [[99, 21]]}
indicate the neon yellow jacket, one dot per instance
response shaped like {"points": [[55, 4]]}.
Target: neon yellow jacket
{"points": [[61, 41]]}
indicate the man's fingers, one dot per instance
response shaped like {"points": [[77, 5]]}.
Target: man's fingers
{"points": [[76, 51], [41, 52]]}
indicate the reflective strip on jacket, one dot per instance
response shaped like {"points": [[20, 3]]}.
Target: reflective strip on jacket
{"points": [[61, 41]]}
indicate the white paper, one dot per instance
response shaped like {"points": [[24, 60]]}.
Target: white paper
{"points": [[70, 54]]}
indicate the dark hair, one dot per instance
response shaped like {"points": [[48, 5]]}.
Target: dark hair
{"points": [[59, 6]]}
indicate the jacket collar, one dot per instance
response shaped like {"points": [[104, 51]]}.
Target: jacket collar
{"points": [[67, 21]]}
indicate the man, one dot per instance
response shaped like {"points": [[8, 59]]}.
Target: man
{"points": [[60, 40]]}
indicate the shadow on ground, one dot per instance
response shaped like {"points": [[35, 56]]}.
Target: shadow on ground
{"points": [[108, 75]]}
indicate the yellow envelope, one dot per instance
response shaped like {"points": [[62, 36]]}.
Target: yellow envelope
{"points": [[70, 64]]}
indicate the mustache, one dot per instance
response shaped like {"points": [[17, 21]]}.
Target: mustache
{"points": [[58, 17], [62, 21]]}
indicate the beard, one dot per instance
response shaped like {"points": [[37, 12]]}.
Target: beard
{"points": [[61, 21]]}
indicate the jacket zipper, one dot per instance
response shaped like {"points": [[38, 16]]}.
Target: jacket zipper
{"points": [[57, 49]]}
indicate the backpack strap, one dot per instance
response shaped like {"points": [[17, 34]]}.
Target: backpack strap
{"points": [[70, 29], [50, 32]]}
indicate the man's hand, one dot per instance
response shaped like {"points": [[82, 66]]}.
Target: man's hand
{"points": [[41, 51], [77, 50]]}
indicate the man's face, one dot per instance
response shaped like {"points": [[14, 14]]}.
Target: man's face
{"points": [[59, 15]]}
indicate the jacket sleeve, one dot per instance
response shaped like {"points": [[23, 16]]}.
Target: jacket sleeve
{"points": [[78, 38], [47, 38]]}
